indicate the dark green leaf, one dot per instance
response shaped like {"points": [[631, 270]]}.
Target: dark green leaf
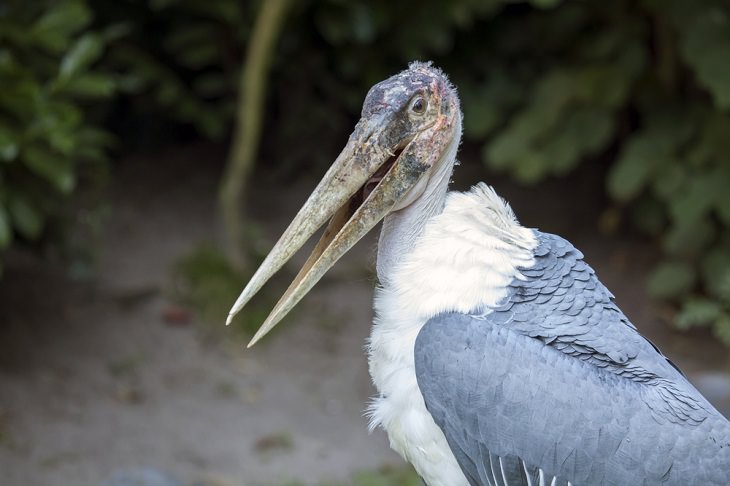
{"points": [[633, 169], [706, 47], [671, 279], [363, 23], [212, 85], [199, 56], [90, 85], [649, 215], [9, 144], [546, 4], [584, 132], [87, 49], [723, 208], [116, 31], [703, 189], [95, 137], [602, 85], [6, 232], [689, 237], [513, 148], [715, 267], [504, 150], [7, 62], [722, 328], [55, 27], [486, 105], [194, 47], [698, 312], [718, 187], [26, 219], [649, 152], [53, 168], [531, 168], [162, 4], [670, 180]]}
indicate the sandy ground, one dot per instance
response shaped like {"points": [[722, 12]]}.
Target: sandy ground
{"points": [[94, 380]]}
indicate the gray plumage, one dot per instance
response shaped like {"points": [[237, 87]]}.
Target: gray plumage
{"points": [[557, 382]]}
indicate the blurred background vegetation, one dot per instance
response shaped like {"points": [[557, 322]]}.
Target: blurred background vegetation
{"points": [[640, 89]]}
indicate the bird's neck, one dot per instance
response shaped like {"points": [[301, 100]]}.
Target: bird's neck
{"points": [[402, 228]]}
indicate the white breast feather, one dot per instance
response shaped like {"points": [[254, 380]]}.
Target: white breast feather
{"points": [[463, 261]]}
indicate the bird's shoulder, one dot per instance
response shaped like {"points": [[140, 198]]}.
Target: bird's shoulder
{"points": [[560, 301]]}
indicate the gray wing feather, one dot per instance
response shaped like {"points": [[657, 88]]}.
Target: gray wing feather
{"points": [[557, 382]]}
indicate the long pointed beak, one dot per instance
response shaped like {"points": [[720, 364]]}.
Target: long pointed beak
{"points": [[338, 196], [347, 174]]}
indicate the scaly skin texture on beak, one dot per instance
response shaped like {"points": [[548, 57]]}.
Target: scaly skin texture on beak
{"points": [[412, 112]]}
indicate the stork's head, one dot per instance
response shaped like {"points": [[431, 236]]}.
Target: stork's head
{"points": [[407, 123]]}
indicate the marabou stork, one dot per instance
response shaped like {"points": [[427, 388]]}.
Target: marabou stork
{"points": [[498, 355]]}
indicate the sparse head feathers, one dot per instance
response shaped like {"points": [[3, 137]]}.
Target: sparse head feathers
{"points": [[395, 92], [429, 68], [425, 65]]}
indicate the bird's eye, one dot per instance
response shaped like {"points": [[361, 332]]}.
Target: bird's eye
{"points": [[418, 106]]}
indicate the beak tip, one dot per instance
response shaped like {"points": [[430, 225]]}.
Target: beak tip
{"points": [[254, 340], [229, 319], [268, 324]]}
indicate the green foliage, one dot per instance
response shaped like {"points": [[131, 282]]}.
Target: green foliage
{"points": [[671, 280], [330, 53], [705, 312], [713, 309], [705, 45], [546, 85], [678, 157], [47, 143], [559, 87], [179, 60]]}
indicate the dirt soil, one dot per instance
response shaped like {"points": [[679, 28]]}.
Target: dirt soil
{"points": [[100, 376]]}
